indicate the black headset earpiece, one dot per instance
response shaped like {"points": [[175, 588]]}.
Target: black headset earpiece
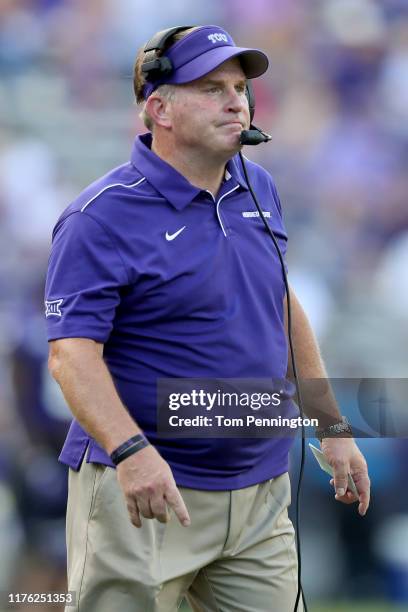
{"points": [[161, 65], [253, 136], [249, 92]]}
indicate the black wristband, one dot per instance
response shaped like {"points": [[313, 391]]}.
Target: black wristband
{"points": [[338, 430], [128, 448]]}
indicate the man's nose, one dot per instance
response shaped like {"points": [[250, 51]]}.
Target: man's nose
{"points": [[236, 100]]}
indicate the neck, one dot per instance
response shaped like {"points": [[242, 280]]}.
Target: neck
{"points": [[197, 168]]}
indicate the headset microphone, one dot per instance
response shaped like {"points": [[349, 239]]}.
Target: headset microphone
{"points": [[254, 136]]}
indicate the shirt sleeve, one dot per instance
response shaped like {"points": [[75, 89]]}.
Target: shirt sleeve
{"points": [[84, 279]]}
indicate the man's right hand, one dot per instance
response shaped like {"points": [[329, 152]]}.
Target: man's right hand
{"points": [[149, 488]]}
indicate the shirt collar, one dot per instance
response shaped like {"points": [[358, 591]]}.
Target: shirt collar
{"points": [[166, 179]]}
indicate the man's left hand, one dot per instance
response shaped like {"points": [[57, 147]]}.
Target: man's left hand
{"points": [[345, 458]]}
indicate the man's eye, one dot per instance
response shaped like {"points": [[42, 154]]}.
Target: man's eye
{"points": [[214, 89]]}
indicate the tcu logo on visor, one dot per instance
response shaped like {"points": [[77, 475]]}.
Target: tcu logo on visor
{"points": [[217, 37]]}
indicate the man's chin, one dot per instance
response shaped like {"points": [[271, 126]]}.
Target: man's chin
{"points": [[231, 145]]}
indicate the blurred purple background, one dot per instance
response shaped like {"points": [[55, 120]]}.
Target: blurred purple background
{"points": [[335, 100]]}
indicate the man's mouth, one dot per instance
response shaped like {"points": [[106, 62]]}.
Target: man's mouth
{"points": [[232, 123]]}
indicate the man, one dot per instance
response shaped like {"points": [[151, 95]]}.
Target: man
{"points": [[158, 271]]}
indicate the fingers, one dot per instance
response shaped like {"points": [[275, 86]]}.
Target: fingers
{"points": [[159, 508], [143, 504], [363, 507], [347, 498], [340, 475], [148, 505], [155, 507], [176, 502], [363, 486], [134, 515]]}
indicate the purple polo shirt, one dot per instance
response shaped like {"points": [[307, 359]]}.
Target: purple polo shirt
{"points": [[205, 301]]}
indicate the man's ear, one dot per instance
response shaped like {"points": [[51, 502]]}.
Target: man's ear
{"points": [[158, 109]]}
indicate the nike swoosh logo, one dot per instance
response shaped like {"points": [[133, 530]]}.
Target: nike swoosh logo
{"points": [[170, 237]]}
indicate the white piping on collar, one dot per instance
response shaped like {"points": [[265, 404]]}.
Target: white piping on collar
{"points": [[218, 204], [109, 187]]}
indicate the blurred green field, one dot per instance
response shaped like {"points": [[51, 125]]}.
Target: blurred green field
{"points": [[343, 607]]}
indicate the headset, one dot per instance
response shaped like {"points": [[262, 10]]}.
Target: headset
{"points": [[157, 68], [161, 66]]}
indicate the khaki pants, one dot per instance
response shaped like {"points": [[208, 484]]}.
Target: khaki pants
{"points": [[238, 555]]}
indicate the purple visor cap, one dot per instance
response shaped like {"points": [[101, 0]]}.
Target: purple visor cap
{"points": [[204, 50]]}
